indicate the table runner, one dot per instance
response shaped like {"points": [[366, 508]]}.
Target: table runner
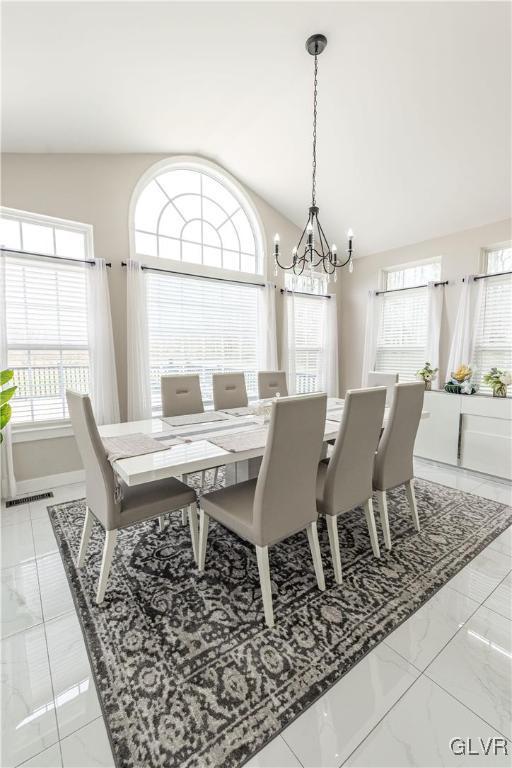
{"points": [[194, 418]]}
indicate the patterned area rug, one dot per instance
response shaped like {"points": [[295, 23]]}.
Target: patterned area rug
{"points": [[188, 673]]}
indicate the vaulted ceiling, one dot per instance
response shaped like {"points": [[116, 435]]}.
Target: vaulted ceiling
{"points": [[414, 101]]}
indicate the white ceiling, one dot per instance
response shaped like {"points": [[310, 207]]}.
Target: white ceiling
{"points": [[414, 101]]}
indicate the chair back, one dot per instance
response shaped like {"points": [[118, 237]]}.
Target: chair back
{"points": [[285, 496], [380, 379], [270, 383], [181, 395], [99, 476], [229, 391], [393, 463], [348, 480]]}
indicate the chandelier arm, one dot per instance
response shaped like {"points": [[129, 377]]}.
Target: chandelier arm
{"points": [[322, 234], [344, 263], [283, 266]]}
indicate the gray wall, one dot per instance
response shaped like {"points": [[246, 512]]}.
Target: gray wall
{"points": [[95, 189], [460, 255]]}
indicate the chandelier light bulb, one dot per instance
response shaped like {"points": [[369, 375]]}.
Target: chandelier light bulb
{"points": [[276, 238], [350, 234], [309, 228], [334, 248]]}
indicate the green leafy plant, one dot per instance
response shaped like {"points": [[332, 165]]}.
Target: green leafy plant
{"points": [[498, 380], [427, 373], [5, 395]]}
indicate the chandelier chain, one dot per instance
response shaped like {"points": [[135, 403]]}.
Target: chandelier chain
{"points": [[315, 105]]}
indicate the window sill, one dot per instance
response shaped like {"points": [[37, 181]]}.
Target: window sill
{"points": [[31, 433]]}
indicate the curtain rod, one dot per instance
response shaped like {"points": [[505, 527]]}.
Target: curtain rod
{"points": [[410, 288], [493, 274], [199, 277], [92, 262], [305, 293]]}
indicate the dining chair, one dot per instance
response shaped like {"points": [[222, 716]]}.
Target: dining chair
{"points": [[181, 394], [344, 480], [229, 391], [137, 503], [394, 460], [281, 500], [381, 379], [271, 383]]}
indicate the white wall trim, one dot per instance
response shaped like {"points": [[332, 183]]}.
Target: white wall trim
{"points": [[32, 434], [48, 482]]}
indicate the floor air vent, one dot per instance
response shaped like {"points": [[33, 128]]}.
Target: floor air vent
{"points": [[26, 499]]}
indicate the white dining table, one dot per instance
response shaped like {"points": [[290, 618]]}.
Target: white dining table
{"points": [[189, 448]]}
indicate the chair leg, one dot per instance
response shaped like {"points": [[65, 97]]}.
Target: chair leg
{"points": [[86, 535], [372, 530], [203, 536], [314, 546], [106, 562], [194, 533], [266, 588], [411, 500], [384, 519], [334, 543], [161, 523], [184, 511]]}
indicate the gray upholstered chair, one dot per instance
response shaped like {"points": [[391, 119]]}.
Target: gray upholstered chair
{"points": [[138, 503], [270, 383], [181, 395], [229, 391], [345, 479], [394, 460], [381, 379], [281, 501]]}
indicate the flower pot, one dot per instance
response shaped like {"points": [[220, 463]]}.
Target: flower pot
{"points": [[428, 386], [500, 391]]}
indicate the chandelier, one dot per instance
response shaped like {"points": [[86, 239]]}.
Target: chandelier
{"points": [[313, 247]]}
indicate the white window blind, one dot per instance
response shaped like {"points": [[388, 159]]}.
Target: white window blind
{"points": [[402, 333], [46, 306], [308, 348], [493, 328], [196, 325], [46, 309], [403, 324]]}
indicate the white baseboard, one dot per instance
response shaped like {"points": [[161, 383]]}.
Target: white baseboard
{"points": [[48, 482]]}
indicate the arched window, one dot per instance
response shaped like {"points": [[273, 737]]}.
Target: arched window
{"points": [[191, 211]]}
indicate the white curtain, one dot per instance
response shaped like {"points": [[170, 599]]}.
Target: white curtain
{"points": [[329, 376], [435, 313], [289, 341], [267, 331], [103, 382], [8, 480], [138, 375], [461, 349], [373, 316]]}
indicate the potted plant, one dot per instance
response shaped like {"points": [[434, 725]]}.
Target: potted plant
{"points": [[427, 373], [5, 396], [498, 381], [461, 381]]}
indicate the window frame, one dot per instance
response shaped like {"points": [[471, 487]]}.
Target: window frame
{"points": [[383, 280], [216, 172], [41, 430]]}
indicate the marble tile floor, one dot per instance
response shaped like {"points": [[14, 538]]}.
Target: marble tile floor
{"points": [[444, 674]]}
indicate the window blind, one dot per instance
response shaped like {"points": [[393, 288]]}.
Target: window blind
{"points": [[47, 337], [309, 349], [493, 329], [402, 333], [202, 326]]}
